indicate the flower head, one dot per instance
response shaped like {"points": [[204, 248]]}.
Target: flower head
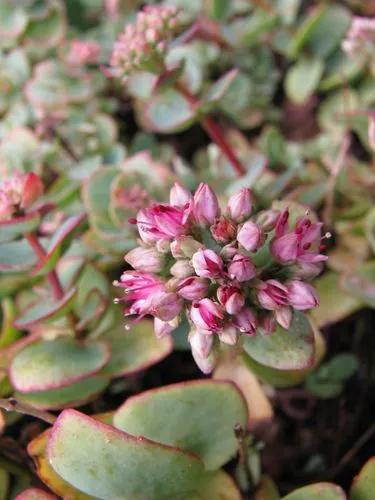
{"points": [[206, 265], [143, 45]]}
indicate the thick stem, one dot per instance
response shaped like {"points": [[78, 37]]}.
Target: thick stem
{"points": [[215, 132], [52, 277]]}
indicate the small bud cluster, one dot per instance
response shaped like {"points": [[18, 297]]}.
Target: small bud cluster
{"points": [[83, 52], [210, 264], [360, 37], [18, 192], [142, 45]]}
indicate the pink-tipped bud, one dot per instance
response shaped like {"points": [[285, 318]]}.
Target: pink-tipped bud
{"points": [[32, 190], [207, 315], [205, 205], [182, 269], [201, 342], [192, 288], [268, 219], [166, 306], [184, 247], [241, 268], [205, 364], [250, 236], [230, 298], [272, 294], [246, 321], [301, 295], [240, 205], [267, 324], [163, 328], [228, 335], [229, 251], [283, 316], [148, 260], [223, 231], [207, 264], [179, 196]]}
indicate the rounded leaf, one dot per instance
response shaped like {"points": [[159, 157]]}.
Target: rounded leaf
{"points": [[318, 491], [284, 349], [107, 463], [169, 111], [363, 486], [198, 416], [56, 363]]}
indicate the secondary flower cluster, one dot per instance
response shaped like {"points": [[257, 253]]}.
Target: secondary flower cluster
{"points": [[142, 45], [18, 192], [230, 272], [360, 37]]}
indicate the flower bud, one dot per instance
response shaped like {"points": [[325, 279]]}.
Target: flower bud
{"points": [[206, 365], [205, 205], [250, 236], [207, 263], [163, 246], [182, 269], [229, 251], [206, 315], [32, 190], [267, 324], [184, 247], [192, 288], [163, 328], [239, 205], [201, 342], [166, 306], [267, 219], [241, 268], [272, 294], [230, 298], [283, 316], [228, 335], [246, 321], [302, 295], [179, 196], [148, 260], [223, 230]]}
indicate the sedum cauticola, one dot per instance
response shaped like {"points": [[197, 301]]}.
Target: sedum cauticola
{"points": [[232, 272]]}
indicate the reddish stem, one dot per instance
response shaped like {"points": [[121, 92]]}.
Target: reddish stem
{"points": [[52, 277], [214, 130]]}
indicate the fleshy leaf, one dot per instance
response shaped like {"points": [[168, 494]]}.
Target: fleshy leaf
{"points": [[169, 111], [213, 407], [361, 283], [46, 309], [76, 394], [16, 256], [12, 228], [318, 491], [135, 349], [103, 461], [303, 78], [284, 349], [56, 363], [218, 485], [363, 486]]}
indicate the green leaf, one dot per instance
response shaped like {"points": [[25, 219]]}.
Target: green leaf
{"points": [[135, 349], [318, 491], [48, 30], [107, 463], [8, 332], [361, 283], [284, 349], [303, 78], [169, 111], [220, 88], [213, 407], [56, 363], [335, 303], [220, 9], [46, 309], [12, 228], [13, 21], [4, 483], [343, 366], [16, 256], [218, 485], [363, 486], [76, 394]]}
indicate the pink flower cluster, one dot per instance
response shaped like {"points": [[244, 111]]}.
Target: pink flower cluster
{"points": [[142, 45], [18, 192], [361, 34], [83, 52], [210, 265]]}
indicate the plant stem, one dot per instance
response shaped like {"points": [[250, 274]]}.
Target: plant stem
{"points": [[52, 277], [12, 404], [214, 130]]}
